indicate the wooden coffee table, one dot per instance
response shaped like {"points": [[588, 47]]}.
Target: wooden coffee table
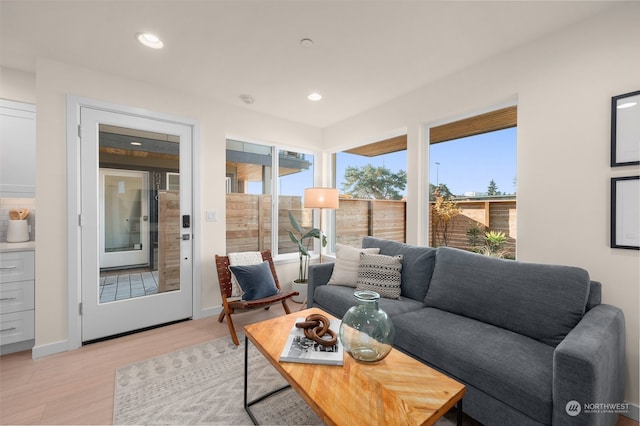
{"points": [[398, 390]]}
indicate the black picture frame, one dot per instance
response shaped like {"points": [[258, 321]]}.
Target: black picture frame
{"points": [[625, 129], [625, 212]]}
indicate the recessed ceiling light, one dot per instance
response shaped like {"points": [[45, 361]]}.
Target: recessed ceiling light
{"points": [[247, 99], [627, 105], [150, 40], [306, 42], [315, 96], [136, 143]]}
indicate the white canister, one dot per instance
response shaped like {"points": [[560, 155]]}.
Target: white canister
{"points": [[18, 231]]}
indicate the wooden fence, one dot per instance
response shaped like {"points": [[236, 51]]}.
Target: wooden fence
{"points": [[355, 219], [495, 215], [249, 221]]}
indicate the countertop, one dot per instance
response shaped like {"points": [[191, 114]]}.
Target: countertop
{"points": [[26, 246]]}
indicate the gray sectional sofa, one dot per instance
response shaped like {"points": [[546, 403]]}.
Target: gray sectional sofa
{"points": [[531, 342]]}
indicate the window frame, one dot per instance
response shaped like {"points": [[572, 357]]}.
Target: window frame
{"points": [[492, 119], [275, 192]]}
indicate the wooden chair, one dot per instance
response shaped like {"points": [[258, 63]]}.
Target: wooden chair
{"points": [[230, 307]]}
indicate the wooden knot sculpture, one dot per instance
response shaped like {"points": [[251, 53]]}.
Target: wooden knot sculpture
{"points": [[315, 327]]}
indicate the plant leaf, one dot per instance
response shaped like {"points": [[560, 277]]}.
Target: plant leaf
{"points": [[294, 222]]}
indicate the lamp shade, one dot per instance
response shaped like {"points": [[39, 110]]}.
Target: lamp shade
{"points": [[323, 198]]}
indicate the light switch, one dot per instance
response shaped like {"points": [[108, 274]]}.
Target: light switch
{"points": [[212, 216]]}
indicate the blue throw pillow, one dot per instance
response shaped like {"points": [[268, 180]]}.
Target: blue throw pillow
{"points": [[256, 281]]}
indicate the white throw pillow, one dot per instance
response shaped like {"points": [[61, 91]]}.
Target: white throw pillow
{"points": [[345, 270]]}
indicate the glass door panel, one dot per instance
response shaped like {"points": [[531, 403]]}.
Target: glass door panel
{"points": [[136, 237], [140, 221]]}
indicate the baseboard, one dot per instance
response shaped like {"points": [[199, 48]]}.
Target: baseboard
{"points": [[17, 347], [208, 312], [634, 411], [49, 349], [63, 345]]}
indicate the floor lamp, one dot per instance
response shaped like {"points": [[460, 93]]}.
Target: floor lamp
{"points": [[321, 198]]}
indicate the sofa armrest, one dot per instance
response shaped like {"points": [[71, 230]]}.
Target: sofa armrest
{"points": [[589, 367], [319, 274]]}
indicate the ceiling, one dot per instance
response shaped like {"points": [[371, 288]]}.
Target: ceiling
{"points": [[364, 53]]}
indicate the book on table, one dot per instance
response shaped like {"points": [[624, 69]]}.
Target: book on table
{"points": [[303, 350]]}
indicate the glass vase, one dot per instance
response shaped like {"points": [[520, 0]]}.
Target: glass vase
{"points": [[366, 331]]}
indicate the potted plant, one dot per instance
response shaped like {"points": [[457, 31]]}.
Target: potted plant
{"points": [[304, 241]]}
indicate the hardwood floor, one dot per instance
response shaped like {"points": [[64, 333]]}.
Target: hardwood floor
{"points": [[76, 387]]}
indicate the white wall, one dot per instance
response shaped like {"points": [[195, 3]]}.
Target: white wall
{"points": [[562, 85], [17, 85], [53, 82]]}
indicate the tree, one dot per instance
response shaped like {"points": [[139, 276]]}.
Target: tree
{"points": [[374, 182], [493, 188], [443, 211], [442, 190]]}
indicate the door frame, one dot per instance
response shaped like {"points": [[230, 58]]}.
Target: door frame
{"points": [[74, 218]]}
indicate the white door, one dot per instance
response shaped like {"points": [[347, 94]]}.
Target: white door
{"points": [[124, 218], [134, 152]]}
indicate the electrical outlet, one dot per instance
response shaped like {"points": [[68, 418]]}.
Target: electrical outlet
{"points": [[212, 216]]}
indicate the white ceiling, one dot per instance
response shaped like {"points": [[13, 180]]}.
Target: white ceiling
{"points": [[364, 53]]}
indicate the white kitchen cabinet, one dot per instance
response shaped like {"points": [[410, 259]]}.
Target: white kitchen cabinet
{"points": [[17, 149], [17, 291]]}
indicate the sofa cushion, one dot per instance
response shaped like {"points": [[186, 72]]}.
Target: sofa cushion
{"points": [[544, 302], [380, 273], [514, 369], [417, 264], [345, 269], [337, 300]]}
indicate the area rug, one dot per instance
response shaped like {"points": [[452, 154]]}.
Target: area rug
{"points": [[203, 385]]}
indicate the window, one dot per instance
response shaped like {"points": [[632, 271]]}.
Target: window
{"points": [[372, 183], [173, 181], [254, 221], [472, 165]]}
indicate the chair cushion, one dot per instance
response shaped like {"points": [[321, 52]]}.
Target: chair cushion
{"points": [[381, 274], [256, 280], [345, 268]]}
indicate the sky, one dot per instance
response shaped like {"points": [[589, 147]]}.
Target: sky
{"points": [[469, 164], [466, 165]]}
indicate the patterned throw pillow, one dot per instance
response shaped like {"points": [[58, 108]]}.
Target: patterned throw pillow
{"points": [[381, 274]]}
